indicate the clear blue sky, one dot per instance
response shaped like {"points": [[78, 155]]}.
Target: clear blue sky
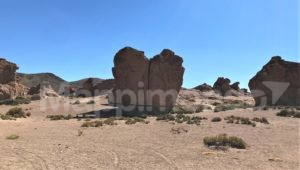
{"points": [[79, 38]]}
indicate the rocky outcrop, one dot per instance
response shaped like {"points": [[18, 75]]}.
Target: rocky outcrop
{"points": [[204, 87], [7, 71], [235, 86], [222, 85], [137, 77], [42, 91], [91, 88], [9, 87], [278, 83]]}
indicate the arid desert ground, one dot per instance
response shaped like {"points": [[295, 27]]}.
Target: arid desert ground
{"points": [[64, 144]]}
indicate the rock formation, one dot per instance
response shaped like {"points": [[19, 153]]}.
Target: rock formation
{"points": [[92, 88], [42, 91], [278, 83], [235, 86], [204, 87], [166, 74], [222, 85], [9, 87], [137, 77], [7, 71]]}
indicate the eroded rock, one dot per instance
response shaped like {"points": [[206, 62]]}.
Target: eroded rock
{"points": [[278, 83]]}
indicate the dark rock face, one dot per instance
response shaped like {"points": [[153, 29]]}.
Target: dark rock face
{"points": [[222, 85], [278, 83], [146, 80], [91, 88], [204, 87], [235, 86], [166, 74], [7, 71]]}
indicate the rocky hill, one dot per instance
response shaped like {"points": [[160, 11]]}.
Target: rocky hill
{"points": [[33, 80]]}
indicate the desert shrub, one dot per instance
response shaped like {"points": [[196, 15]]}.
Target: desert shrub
{"points": [[12, 137], [91, 102], [199, 108], [96, 123], [6, 117], [239, 120], [178, 130], [224, 141], [60, 117], [165, 117], [261, 120], [232, 106], [216, 119], [110, 121], [28, 114], [76, 102], [134, 120], [289, 113], [16, 112], [17, 101]]}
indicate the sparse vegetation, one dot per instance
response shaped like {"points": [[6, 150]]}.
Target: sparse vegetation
{"points": [[261, 120], [178, 130], [17, 101], [110, 121], [12, 137], [224, 141], [289, 113], [134, 120], [232, 106], [181, 118], [16, 112], [216, 119], [60, 117], [239, 120], [91, 102], [96, 123]]}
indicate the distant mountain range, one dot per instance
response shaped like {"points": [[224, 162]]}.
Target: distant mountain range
{"points": [[31, 80]]}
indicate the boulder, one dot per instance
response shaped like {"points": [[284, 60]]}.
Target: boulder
{"points": [[278, 83], [222, 85], [235, 86], [204, 87], [137, 77]]}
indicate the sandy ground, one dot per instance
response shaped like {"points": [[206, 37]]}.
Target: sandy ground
{"points": [[45, 144]]}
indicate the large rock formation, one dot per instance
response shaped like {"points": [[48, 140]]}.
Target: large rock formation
{"points": [[9, 87], [222, 85], [278, 83], [143, 83], [7, 71], [165, 77]]}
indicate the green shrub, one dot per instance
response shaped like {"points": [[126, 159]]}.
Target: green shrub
{"points": [[96, 123], [16, 112], [239, 120], [166, 117], [216, 119], [110, 121], [60, 117], [261, 120], [181, 118], [12, 137], [134, 120], [91, 102], [224, 141], [232, 106], [289, 113], [6, 117]]}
